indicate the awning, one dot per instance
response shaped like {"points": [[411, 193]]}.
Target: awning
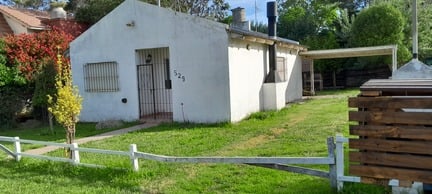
{"points": [[353, 52]]}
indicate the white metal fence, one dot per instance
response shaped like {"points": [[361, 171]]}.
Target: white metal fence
{"points": [[335, 159]]}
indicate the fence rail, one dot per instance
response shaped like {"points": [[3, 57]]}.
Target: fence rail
{"points": [[335, 159]]}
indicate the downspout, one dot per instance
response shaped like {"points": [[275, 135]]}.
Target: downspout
{"points": [[272, 76]]}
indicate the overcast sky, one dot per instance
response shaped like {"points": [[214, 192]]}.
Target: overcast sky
{"points": [[250, 10]]}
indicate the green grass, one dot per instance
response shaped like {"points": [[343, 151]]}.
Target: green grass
{"points": [[298, 130], [44, 134], [339, 92]]}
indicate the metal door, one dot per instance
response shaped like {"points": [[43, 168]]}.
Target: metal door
{"points": [[154, 83]]}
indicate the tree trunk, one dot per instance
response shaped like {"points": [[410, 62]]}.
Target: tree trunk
{"points": [[70, 138], [50, 120]]}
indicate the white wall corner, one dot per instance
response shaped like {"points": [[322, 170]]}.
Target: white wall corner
{"points": [[274, 95]]}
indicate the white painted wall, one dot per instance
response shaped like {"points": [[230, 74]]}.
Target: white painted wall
{"points": [[247, 72], [294, 87], [248, 69], [198, 50], [274, 95]]}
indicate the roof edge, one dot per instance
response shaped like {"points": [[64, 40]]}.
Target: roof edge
{"points": [[264, 38]]}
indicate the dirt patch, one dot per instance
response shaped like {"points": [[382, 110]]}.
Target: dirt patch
{"points": [[277, 131], [253, 142]]}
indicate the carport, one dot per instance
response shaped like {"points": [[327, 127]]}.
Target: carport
{"points": [[347, 53]]}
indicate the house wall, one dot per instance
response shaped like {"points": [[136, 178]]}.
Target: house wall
{"points": [[248, 68], [198, 51], [16, 26], [294, 84]]}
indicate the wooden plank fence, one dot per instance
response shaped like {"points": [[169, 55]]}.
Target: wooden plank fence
{"points": [[394, 132]]}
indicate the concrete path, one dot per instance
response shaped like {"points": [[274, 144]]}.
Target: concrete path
{"points": [[46, 149]]}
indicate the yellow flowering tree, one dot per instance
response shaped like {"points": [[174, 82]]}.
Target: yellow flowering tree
{"points": [[65, 105]]}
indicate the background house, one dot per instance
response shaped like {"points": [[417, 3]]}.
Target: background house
{"points": [[20, 20], [142, 60]]}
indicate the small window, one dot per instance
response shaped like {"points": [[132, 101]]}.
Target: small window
{"points": [[101, 77], [281, 69]]}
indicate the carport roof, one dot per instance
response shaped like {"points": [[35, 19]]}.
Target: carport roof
{"points": [[349, 52]]}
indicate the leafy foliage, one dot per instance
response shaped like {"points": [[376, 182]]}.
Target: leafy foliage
{"points": [[11, 99], [67, 104], [11, 91], [44, 86], [424, 16], [8, 73], [31, 60], [302, 18], [380, 25], [30, 52], [259, 27], [325, 40], [92, 11]]}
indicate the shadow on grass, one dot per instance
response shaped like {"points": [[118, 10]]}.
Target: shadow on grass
{"points": [[30, 172]]}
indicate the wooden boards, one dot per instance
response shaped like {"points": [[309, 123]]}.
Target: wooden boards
{"points": [[393, 129]]}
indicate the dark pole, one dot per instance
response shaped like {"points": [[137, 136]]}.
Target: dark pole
{"points": [[272, 33]]}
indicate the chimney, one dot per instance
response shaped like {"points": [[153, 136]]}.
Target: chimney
{"points": [[272, 14], [239, 19], [57, 12]]}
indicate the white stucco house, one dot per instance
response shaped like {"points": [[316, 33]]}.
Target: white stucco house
{"points": [[142, 60]]}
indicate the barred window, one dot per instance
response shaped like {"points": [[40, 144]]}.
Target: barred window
{"points": [[101, 77]]}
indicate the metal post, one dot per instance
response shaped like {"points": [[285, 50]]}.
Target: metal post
{"points": [[312, 78], [332, 167], [414, 29], [75, 154], [394, 58], [134, 160], [17, 148], [339, 160]]}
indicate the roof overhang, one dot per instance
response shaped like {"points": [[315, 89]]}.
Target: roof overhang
{"points": [[350, 52], [264, 39], [354, 52]]}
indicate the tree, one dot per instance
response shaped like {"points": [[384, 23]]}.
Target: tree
{"points": [[65, 105], [30, 52], [33, 58], [259, 27], [302, 18], [93, 10], [353, 6], [32, 4], [11, 90], [380, 25]]}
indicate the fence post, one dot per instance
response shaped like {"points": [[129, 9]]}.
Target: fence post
{"points": [[17, 144], [339, 160], [75, 154], [332, 167], [134, 160]]}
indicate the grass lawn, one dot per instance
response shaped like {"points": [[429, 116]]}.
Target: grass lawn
{"points": [[44, 134], [301, 129]]}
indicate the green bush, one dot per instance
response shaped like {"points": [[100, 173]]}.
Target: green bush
{"points": [[11, 100], [380, 25]]}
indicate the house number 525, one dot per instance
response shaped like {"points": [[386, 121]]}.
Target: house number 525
{"points": [[179, 76]]}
